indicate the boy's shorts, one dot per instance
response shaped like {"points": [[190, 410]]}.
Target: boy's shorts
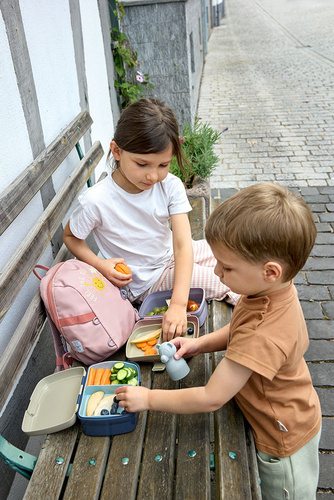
{"points": [[290, 478]]}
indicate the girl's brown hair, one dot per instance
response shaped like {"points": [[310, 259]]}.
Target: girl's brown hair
{"points": [[149, 126], [265, 222]]}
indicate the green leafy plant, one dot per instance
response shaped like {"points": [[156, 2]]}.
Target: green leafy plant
{"points": [[131, 83], [198, 145]]}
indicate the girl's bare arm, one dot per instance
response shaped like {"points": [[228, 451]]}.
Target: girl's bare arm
{"points": [[81, 251], [175, 319]]}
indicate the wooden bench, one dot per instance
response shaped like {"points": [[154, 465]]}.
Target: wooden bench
{"points": [[202, 456]]}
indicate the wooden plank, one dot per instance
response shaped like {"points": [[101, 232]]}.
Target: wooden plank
{"points": [[121, 479], [88, 468], [157, 476], [190, 483], [19, 347], [49, 475], [197, 218], [18, 194], [252, 462], [21, 264], [232, 472]]}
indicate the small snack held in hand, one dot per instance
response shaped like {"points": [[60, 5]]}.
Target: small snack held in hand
{"points": [[122, 268]]}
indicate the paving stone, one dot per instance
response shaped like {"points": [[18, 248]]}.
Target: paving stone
{"points": [[316, 199], [322, 373], [325, 239], [326, 397], [327, 217], [300, 279], [320, 329], [313, 292], [326, 474], [320, 350], [327, 434], [320, 277], [312, 310], [331, 291], [319, 264], [323, 251], [323, 227], [325, 496], [326, 190], [317, 207], [328, 308]]}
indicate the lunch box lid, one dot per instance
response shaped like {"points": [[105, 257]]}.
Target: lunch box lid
{"points": [[54, 402]]}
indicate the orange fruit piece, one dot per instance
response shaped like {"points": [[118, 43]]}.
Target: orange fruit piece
{"points": [[122, 268], [141, 344], [152, 342], [150, 351]]}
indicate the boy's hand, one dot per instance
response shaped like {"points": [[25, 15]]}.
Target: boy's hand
{"points": [[133, 398], [174, 322], [107, 268], [186, 348]]}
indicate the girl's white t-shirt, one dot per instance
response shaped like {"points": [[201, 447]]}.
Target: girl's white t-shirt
{"points": [[132, 226]]}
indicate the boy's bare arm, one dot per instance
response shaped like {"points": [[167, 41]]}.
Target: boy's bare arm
{"points": [[226, 381], [212, 342], [81, 251]]}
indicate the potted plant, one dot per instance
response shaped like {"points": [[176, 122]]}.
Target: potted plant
{"points": [[198, 145]]}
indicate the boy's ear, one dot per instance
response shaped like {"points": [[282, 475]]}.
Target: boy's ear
{"points": [[115, 150], [272, 271]]}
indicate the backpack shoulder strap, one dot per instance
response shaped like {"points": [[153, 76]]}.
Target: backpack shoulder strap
{"points": [[63, 358]]}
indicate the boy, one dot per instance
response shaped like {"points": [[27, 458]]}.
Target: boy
{"points": [[261, 238]]}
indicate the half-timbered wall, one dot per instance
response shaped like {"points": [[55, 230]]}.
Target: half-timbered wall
{"points": [[55, 60]]}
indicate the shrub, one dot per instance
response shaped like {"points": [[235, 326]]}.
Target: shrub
{"points": [[198, 145]]}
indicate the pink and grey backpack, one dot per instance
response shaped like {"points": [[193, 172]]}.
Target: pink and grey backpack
{"points": [[90, 318]]}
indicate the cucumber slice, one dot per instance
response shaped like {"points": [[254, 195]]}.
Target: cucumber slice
{"points": [[133, 381], [129, 372], [114, 382], [122, 374], [118, 366], [113, 376]]}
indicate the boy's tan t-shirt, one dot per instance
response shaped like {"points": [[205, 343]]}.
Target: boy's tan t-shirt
{"points": [[268, 335]]}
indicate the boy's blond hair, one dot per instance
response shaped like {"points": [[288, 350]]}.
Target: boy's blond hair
{"points": [[265, 222]]}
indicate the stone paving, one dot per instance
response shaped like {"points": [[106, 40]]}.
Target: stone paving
{"points": [[269, 79]]}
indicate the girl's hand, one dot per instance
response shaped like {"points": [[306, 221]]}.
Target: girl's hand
{"points": [[133, 398], [186, 348], [174, 322], [107, 268]]}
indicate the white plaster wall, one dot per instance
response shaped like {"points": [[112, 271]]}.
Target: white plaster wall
{"points": [[97, 81], [54, 69], [14, 139]]}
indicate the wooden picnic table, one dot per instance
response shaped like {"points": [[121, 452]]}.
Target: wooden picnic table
{"points": [[167, 456]]}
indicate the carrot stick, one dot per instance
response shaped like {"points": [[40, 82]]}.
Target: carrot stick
{"points": [[91, 376], [98, 375], [105, 379]]}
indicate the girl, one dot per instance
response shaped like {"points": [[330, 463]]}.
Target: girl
{"points": [[129, 213]]}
